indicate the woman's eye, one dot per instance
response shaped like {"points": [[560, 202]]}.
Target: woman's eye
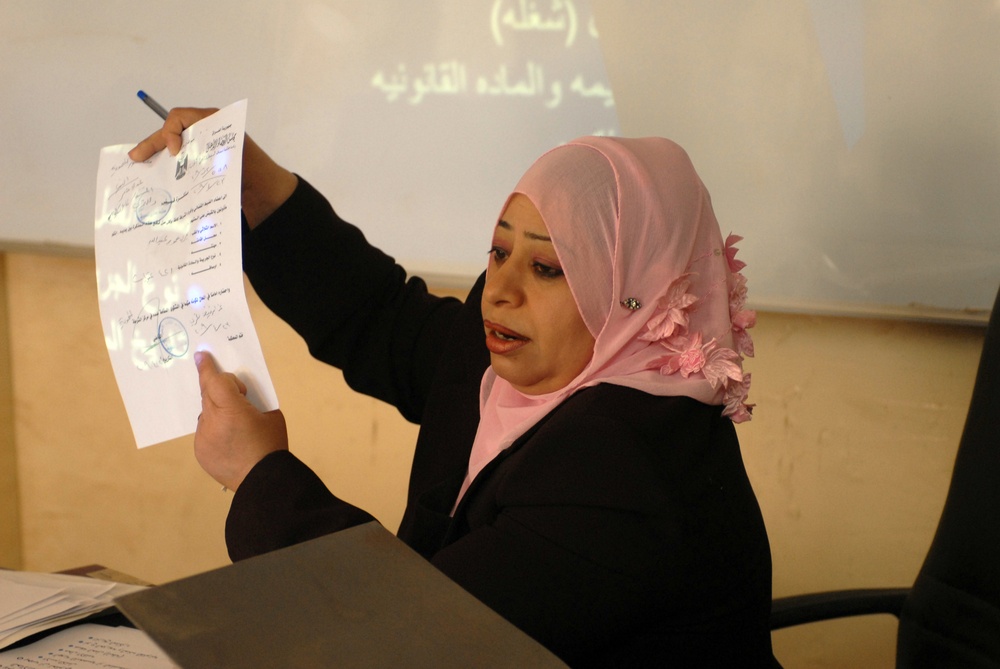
{"points": [[498, 254], [546, 271]]}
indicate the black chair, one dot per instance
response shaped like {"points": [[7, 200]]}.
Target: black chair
{"points": [[950, 617]]}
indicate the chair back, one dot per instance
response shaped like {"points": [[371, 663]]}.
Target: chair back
{"points": [[952, 616]]}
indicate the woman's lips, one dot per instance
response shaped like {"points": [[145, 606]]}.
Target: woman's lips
{"points": [[501, 340]]}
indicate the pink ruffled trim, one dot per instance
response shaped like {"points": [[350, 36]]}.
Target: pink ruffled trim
{"points": [[742, 319], [731, 250], [735, 399], [689, 354]]}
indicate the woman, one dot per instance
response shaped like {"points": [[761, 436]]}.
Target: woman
{"points": [[579, 473]]}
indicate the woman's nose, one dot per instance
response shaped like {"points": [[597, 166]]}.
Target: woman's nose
{"points": [[503, 284]]}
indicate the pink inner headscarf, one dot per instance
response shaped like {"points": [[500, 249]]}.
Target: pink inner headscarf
{"points": [[655, 283]]}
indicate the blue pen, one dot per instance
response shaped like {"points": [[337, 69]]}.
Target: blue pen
{"points": [[153, 104]]}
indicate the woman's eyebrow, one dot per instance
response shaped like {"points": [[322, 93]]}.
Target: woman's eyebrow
{"points": [[530, 235]]}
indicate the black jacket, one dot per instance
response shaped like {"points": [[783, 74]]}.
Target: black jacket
{"points": [[621, 530]]}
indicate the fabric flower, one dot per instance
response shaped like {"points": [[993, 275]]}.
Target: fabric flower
{"points": [[737, 293], [722, 365], [742, 321], [689, 356], [670, 317], [735, 397], [734, 264]]}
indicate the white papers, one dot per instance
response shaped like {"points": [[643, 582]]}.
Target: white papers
{"points": [[31, 602], [89, 645], [168, 247]]}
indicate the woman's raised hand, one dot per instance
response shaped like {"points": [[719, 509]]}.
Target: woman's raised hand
{"points": [[266, 185], [232, 435], [169, 136]]}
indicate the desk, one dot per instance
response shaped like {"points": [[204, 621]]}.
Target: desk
{"points": [[358, 597]]}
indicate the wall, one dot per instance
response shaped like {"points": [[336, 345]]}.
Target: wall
{"points": [[850, 450], [850, 453], [10, 516]]}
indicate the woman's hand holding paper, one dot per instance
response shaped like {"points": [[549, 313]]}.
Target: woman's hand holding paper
{"points": [[266, 185], [232, 435]]}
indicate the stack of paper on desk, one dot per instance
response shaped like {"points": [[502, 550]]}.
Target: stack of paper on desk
{"points": [[32, 602], [88, 646]]}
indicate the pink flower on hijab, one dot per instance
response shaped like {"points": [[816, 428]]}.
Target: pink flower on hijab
{"points": [[722, 365], [731, 250], [671, 314], [735, 401], [738, 293], [742, 321], [689, 356]]}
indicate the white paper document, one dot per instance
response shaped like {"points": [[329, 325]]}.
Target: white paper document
{"points": [[168, 246], [88, 645], [32, 602]]}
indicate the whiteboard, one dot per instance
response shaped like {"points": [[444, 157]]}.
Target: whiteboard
{"points": [[854, 144], [414, 119]]}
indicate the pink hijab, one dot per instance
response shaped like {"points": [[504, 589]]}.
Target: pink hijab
{"points": [[655, 283]]}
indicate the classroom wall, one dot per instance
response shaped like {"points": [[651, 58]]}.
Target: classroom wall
{"points": [[10, 512], [850, 450]]}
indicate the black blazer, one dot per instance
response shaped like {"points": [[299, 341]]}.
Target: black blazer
{"points": [[620, 530]]}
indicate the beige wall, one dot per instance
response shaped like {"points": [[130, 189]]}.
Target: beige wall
{"points": [[10, 512], [850, 450]]}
